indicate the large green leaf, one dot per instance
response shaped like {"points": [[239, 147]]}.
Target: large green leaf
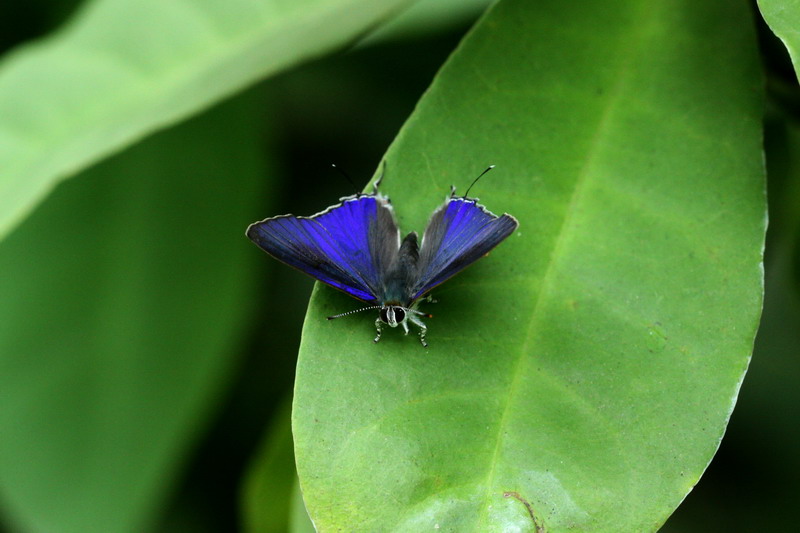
{"points": [[123, 69], [783, 17], [761, 443], [581, 376], [121, 300]]}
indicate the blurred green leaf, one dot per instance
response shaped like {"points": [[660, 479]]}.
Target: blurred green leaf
{"points": [[268, 490], [299, 521], [584, 373], [783, 18], [122, 302], [272, 501], [428, 16], [124, 69]]}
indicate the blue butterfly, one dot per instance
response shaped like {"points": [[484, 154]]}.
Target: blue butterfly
{"points": [[355, 246]]}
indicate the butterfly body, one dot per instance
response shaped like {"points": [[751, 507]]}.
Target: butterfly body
{"points": [[400, 278], [355, 247]]}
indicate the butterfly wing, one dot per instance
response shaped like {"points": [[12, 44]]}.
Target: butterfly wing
{"points": [[349, 246], [458, 234]]}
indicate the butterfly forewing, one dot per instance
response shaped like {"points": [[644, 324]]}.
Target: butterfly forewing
{"points": [[348, 246], [458, 234]]}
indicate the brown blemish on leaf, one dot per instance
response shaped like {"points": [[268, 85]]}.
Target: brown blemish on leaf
{"points": [[512, 494]]}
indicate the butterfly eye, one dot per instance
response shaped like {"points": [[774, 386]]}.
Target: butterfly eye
{"points": [[399, 314], [383, 314]]}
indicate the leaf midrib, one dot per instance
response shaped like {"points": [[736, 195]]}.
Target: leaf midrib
{"points": [[595, 146]]}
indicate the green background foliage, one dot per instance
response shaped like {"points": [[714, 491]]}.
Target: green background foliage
{"points": [[580, 378]]}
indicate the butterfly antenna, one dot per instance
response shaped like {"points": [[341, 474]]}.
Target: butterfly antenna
{"points": [[354, 311], [476, 180], [347, 177]]}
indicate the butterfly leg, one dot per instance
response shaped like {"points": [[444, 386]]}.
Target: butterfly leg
{"points": [[378, 327], [422, 328]]}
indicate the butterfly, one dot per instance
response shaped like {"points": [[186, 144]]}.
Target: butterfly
{"points": [[355, 246]]}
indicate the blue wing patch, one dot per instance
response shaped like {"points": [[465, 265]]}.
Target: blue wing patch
{"points": [[347, 246], [459, 233]]}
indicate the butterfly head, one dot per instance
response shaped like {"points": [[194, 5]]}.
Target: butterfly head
{"points": [[392, 315]]}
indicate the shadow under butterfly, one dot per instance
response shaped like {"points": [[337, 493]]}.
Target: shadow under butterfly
{"points": [[355, 246]]}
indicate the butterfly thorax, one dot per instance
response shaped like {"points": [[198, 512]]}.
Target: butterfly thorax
{"points": [[402, 274]]}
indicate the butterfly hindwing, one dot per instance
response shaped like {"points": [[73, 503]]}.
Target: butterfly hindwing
{"points": [[348, 246], [458, 234]]}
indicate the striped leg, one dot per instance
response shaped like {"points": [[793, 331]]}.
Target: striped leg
{"points": [[414, 319]]}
